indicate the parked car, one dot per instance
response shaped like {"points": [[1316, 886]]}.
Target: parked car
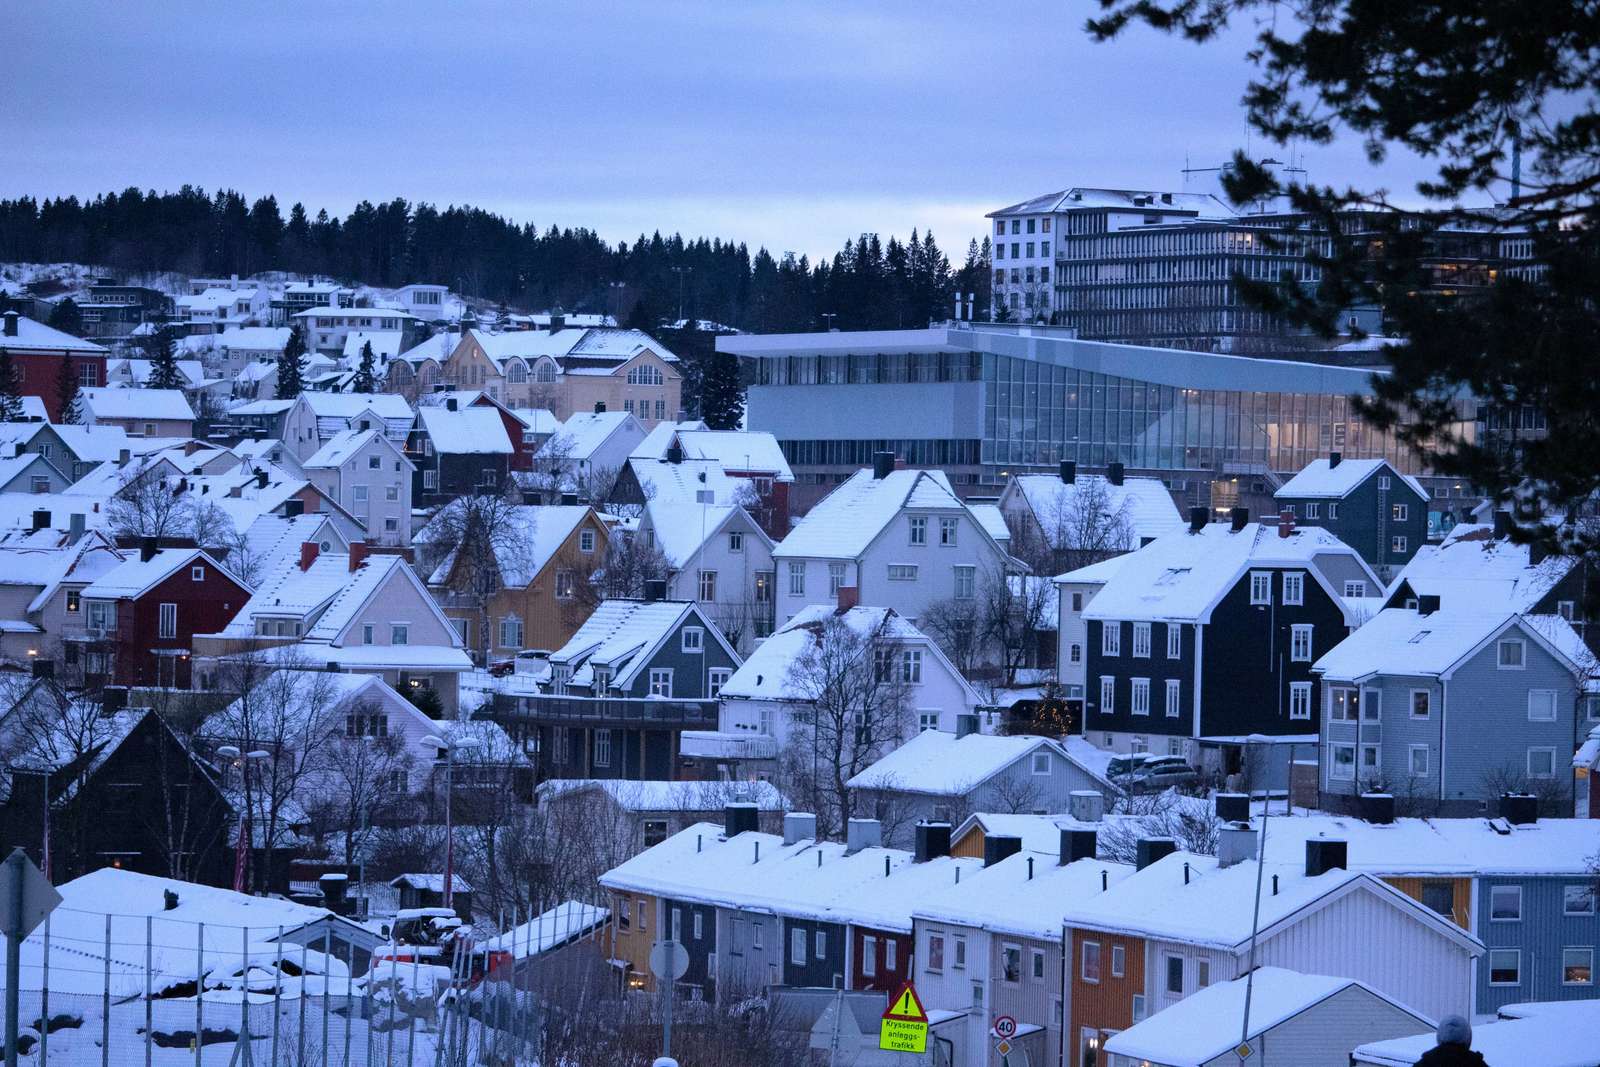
{"points": [[1122, 766], [1162, 772]]}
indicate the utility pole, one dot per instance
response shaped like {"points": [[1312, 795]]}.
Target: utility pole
{"points": [[680, 272]]}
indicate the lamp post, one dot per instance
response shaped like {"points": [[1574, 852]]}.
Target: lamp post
{"points": [[680, 272], [450, 746], [241, 854]]}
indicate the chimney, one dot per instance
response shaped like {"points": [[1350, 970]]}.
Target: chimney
{"points": [[1150, 849], [1427, 604], [655, 589], [41, 520], [44, 668], [997, 847], [76, 526], [1115, 473], [308, 554], [1198, 517], [966, 723], [849, 597], [862, 833], [1377, 808], [1233, 807], [450, 403], [1326, 854], [293, 508], [569, 500], [1086, 805], [1285, 522], [1502, 524], [359, 550], [261, 479], [674, 453], [333, 888], [1078, 845], [113, 698], [1519, 809], [1334, 459], [799, 826], [1236, 842], [123, 456], [933, 841], [1239, 518], [737, 818], [11, 323], [599, 407], [147, 548], [558, 320], [1069, 471], [882, 464]]}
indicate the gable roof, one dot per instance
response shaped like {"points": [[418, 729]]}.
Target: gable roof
{"points": [[584, 433], [32, 334], [1402, 641], [851, 517], [941, 764], [1144, 505], [623, 634], [534, 535], [298, 694], [682, 529], [468, 429], [1474, 566], [740, 450], [1320, 481], [1466, 847], [683, 483], [339, 448], [133, 577], [137, 404]]}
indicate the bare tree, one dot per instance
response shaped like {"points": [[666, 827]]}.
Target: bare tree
{"points": [[958, 628], [1190, 821], [630, 561], [145, 505], [1013, 795], [1079, 527], [362, 779], [1013, 609], [471, 548]]}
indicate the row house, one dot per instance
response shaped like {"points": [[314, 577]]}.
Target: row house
{"points": [[633, 677], [1207, 636], [1366, 503], [40, 354]]}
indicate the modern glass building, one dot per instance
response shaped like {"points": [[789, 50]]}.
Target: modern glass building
{"points": [[986, 401]]}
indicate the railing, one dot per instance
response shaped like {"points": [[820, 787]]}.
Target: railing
{"points": [[553, 708]]}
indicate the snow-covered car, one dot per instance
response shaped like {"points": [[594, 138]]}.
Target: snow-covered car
{"points": [[1162, 772]]}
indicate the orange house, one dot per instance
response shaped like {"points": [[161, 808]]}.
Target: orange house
{"points": [[1105, 989]]}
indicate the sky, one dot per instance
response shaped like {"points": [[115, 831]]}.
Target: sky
{"points": [[795, 125]]}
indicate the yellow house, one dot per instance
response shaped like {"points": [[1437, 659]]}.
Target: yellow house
{"points": [[634, 929]]}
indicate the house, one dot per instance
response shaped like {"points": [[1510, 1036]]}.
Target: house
{"points": [[1451, 707], [42, 578], [416, 372], [123, 790], [327, 327], [766, 702], [541, 563], [369, 474], [386, 344], [545, 949], [1538, 1035], [135, 373], [306, 295], [1310, 1019], [718, 556], [941, 777], [423, 300], [1366, 503], [218, 307], [421, 890], [231, 351], [900, 538], [292, 422], [39, 352], [459, 450], [30, 472], [583, 456], [111, 311], [1184, 922], [570, 370], [141, 412], [72, 450], [143, 613], [1077, 519], [527, 429], [364, 612], [751, 456], [338, 412], [1205, 638], [633, 677]]}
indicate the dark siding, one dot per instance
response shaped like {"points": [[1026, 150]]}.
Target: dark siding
{"points": [[1158, 668], [1366, 519], [885, 979], [688, 668], [683, 913], [826, 972]]}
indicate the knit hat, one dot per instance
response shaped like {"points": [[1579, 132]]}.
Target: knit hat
{"points": [[1454, 1030]]}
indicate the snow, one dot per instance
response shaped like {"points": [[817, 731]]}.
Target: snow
{"points": [[582, 435], [620, 635], [1402, 641], [1143, 504], [137, 371], [1589, 752], [682, 483], [386, 406], [385, 345], [476, 430], [1443, 847], [1201, 205], [1474, 567], [746, 451], [993, 520], [253, 338], [137, 404], [534, 535], [765, 675], [847, 520], [538, 420], [550, 929], [1320, 481], [430, 883], [1208, 1023], [34, 335], [339, 449], [1182, 576], [348, 316], [437, 348], [1016, 898], [133, 577], [310, 692], [940, 764], [681, 529], [680, 796], [1563, 1036]]}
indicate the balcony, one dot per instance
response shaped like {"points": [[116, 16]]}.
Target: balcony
{"points": [[640, 712]]}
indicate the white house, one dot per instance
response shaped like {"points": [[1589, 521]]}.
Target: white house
{"points": [[720, 558], [1053, 512], [327, 327], [368, 474]]}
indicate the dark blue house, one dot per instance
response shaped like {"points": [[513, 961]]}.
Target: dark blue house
{"points": [[1366, 503]]}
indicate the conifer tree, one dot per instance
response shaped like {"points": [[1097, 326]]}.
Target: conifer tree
{"points": [[721, 392], [10, 400], [364, 382], [164, 363], [69, 403], [291, 366], [67, 317]]}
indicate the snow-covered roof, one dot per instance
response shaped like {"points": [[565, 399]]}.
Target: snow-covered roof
{"points": [[1142, 505], [254, 338], [584, 433], [1550, 1034], [348, 405], [432, 883], [538, 420], [1588, 752], [368, 312], [1183, 575], [533, 536], [139, 370], [35, 562], [687, 482], [681, 796], [766, 674], [299, 695], [1022, 895], [137, 404], [681, 529], [133, 577], [549, 929], [1320, 481], [385, 345], [327, 594], [93, 443], [477, 430], [1473, 566], [1466, 847], [993, 520], [752, 451], [34, 335], [941, 764], [1402, 641], [437, 348], [848, 519], [1206, 1024], [1081, 197], [621, 635]]}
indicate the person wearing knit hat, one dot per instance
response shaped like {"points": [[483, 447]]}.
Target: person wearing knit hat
{"points": [[1455, 1046]]}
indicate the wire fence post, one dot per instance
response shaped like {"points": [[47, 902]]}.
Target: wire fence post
{"points": [[105, 1003], [199, 989], [327, 985], [44, 999], [349, 974], [244, 993], [149, 998], [300, 1031], [394, 997], [277, 995], [411, 1016]]}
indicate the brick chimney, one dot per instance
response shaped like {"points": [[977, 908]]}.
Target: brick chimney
{"points": [[1285, 522], [308, 554], [358, 554], [849, 597]]}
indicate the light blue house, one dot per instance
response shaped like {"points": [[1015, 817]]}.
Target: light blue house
{"points": [[1447, 707]]}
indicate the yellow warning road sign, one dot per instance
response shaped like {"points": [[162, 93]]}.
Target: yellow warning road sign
{"points": [[905, 1024]]}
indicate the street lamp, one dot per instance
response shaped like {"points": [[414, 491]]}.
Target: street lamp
{"points": [[241, 854], [449, 747]]}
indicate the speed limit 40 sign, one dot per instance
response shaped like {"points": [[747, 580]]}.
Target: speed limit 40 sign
{"points": [[1005, 1026]]}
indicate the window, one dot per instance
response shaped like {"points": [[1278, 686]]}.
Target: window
{"points": [[1140, 698], [936, 953], [374, 463], [399, 634], [820, 946], [869, 956], [661, 681], [1174, 983], [797, 947], [1419, 761], [797, 579], [1397, 544], [1040, 763], [1343, 767], [902, 572], [1111, 639], [911, 666], [367, 634], [602, 758], [1355, 588], [1141, 639], [716, 678], [919, 529], [430, 479], [708, 586], [1108, 694], [1260, 587], [1505, 966], [1400, 512], [1541, 762], [1202, 973], [655, 830], [1119, 956], [1577, 966], [699, 930], [1300, 643], [510, 632], [1294, 588], [168, 623], [947, 531], [1577, 900], [966, 582], [960, 953], [391, 493], [1505, 903], [1011, 963], [1077, 601], [1075, 655], [1333, 511], [366, 724], [1509, 654], [1090, 969], [1313, 511], [1439, 897], [1300, 700], [927, 720], [1541, 705], [1383, 481], [585, 541], [1371, 761], [566, 584], [735, 540], [360, 493], [1174, 640], [1421, 703], [74, 601], [835, 579]]}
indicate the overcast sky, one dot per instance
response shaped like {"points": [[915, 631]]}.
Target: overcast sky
{"points": [[792, 125]]}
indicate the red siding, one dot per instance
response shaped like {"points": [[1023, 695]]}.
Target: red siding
{"points": [[204, 607], [884, 979], [38, 372]]}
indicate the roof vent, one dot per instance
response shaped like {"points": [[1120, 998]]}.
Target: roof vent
{"points": [[738, 817], [882, 464], [1069, 471], [1239, 517], [1326, 855], [1115, 473], [933, 841], [1150, 849], [997, 847], [862, 833], [799, 826], [1198, 517], [1334, 459]]}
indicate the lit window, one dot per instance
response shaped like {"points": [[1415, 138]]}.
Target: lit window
{"points": [[1577, 966]]}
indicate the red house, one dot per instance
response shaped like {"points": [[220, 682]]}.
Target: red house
{"points": [[141, 616], [37, 351], [879, 959]]}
